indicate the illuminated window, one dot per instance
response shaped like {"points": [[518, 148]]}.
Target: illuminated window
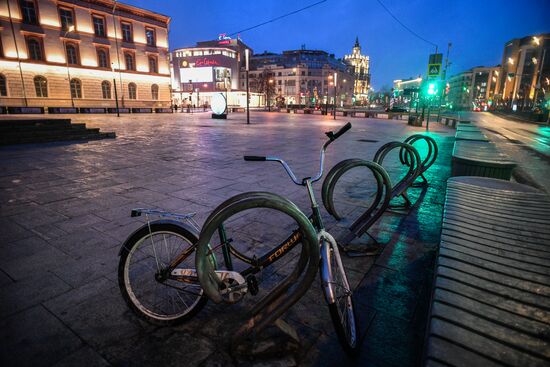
{"points": [[35, 49], [76, 88], [41, 86], [150, 36], [106, 89], [66, 17], [154, 92], [129, 60], [28, 10], [127, 32], [102, 58], [99, 26], [132, 91], [3, 86], [153, 68], [72, 54]]}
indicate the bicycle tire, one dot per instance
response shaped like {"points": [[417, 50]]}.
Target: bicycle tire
{"points": [[344, 321], [135, 299]]}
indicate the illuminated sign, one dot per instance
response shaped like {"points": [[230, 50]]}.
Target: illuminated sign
{"points": [[223, 36], [196, 75], [184, 64], [219, 103], [206, 62]]}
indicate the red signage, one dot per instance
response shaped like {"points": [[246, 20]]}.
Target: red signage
{"points": [[206, 62]]}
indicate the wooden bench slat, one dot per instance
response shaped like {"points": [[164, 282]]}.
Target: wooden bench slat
{"points": [[467, 206], [454, 355], [499, 342], [497, 300]]}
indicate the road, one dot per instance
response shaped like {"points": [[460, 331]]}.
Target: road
{"points": [[526, 143]]}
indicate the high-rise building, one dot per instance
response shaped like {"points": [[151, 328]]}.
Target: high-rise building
{"points": [[525, 73], [302, 77], [474, 88], [74, 53], [361, 72]]}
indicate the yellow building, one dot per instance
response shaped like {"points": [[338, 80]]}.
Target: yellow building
{"points": [[361, 71], [56, 53]]}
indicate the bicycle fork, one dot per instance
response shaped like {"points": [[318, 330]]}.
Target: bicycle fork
{"points": [[328, 245]]}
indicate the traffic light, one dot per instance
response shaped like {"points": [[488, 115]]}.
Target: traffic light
{"points": [[432, 88]]}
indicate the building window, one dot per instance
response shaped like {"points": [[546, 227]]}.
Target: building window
{"points": [[3, 86], [132, 91], [153, 68], [41, 86], [106, 89], [127, 32], [99, 26], [34, 46], [66, 16], [150, 36], [154, 92], [102, 58], [76, 88], [129, 59], [72, 53], [28, 11]]}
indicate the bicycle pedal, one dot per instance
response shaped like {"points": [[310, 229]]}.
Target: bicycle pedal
{"points": [[253, 286]]}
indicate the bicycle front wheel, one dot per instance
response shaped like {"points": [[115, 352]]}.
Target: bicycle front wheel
{"points": [[145, 276], [339, 297]]}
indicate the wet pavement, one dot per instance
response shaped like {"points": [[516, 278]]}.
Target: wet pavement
{"points": [[65, 211]]}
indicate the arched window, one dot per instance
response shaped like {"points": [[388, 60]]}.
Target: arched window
{"points": [[41, 86], [3, 86], [76, 88], [72, 54], [154, 92], [129, 59], [102, 58], [106, 89], [35, 49], [132, 91], [153, 64]]}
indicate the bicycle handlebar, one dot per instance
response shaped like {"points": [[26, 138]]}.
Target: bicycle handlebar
{"points": [[253, 158], [331, 135]]}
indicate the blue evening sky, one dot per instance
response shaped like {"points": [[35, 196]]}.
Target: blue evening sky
{"points": [[477, 29]]}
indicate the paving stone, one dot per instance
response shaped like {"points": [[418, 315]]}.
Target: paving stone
{"points": [[85, 356], [35, 338]]}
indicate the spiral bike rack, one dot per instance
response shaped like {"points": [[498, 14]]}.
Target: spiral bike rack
{"points": [[272, 306], [428, 161], [408, 156]]}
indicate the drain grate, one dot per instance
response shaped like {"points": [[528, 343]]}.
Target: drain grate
{"points": [[367, 141]]}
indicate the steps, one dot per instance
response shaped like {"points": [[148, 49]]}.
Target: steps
{"points": [[47, 130]]}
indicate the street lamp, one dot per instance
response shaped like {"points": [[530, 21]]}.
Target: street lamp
{"points": [[70, 29], [116, 93], [269, 83], [335, 86], [247, 57]]}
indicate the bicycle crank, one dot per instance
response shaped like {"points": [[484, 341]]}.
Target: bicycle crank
{"points": [[233, 286]]}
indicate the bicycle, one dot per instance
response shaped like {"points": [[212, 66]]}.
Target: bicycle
{"points": [[158, 282], [336, 288]]}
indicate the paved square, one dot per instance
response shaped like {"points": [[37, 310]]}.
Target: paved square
{"points": [[65, 211]]}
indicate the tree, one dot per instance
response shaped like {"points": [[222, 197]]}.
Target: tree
{"points": [[261, 84]]}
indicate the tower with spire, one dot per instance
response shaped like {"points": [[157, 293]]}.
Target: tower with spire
{"points": [[359, 65]]}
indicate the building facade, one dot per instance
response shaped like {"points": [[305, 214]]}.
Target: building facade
{"points": [[525, 73], [301, 77], [476, 88], [360, 66], [209, 67], [81, 53]]}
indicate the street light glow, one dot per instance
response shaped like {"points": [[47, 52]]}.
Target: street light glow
{"points": [[510, 61], [536, 40], [535, 61]]}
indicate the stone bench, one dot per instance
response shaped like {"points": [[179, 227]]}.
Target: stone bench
{"points": [[470, 135], [491, 298], [476, 158]]}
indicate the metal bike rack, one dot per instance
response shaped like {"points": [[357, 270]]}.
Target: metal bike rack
{"points": [[430, 158], [408, 156], [289, 290]]}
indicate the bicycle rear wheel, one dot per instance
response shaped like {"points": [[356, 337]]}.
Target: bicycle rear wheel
{"points": [[336, 287], [145, 279]]}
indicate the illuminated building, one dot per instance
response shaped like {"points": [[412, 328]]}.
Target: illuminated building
{"points": [[208, 67], [474, 88], [361, 72], [303, 77], [57, 53], [525, 71]]}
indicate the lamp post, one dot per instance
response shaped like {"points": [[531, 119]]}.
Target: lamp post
{"points": [[247, 57], [269, 83], [326, 101], [335, 83], [70, 29], [116, 93], [18, 57]]}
